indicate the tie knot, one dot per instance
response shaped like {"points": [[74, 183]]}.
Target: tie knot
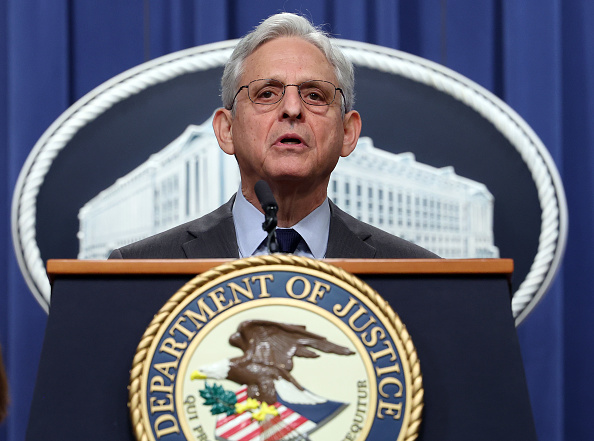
{"points": [[288, 239]]}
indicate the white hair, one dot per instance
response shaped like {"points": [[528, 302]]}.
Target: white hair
{"points": [[287, 25]]}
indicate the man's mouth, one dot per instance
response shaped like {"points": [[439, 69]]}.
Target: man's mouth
{"points": [[290, 139]]}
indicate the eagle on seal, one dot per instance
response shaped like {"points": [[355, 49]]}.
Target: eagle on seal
{"points": [[265, 366]]}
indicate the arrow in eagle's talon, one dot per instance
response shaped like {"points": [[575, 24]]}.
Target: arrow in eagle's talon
{"points": [[250, 404], [265, 409]]}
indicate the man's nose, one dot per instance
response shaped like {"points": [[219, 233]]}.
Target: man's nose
{"points": [[292, 106]]}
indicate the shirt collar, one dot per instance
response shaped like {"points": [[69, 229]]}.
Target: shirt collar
{"points": [[314, 229]]}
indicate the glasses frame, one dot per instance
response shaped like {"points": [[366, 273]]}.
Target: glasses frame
{"points": [[298, 86]]}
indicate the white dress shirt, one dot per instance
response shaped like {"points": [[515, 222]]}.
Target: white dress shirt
{"points": [[314, 229]]}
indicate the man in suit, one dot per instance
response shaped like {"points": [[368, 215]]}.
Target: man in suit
{"points": [[288, 116]]}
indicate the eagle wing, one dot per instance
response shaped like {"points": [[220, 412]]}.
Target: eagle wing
{"points": [[275, 344]]}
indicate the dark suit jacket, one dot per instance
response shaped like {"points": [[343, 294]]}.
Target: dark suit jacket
{"points": [[213, 236]]}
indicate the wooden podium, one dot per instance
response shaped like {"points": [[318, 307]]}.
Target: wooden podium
{"points": [[457, 312]]}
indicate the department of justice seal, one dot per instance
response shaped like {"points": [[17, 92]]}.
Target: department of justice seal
{"points": [[276, 348]]}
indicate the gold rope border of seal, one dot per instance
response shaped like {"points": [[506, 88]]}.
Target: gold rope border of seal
{"points": [[135, 387]]}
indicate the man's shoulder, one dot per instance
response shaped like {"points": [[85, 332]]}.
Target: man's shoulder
{"points": [[386, 245], [164, 245], [169, 244]]}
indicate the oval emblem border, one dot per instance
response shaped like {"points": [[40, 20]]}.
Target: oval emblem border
{"points": [[201, 284]]}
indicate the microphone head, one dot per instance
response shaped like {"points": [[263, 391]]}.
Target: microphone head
{"points": [[264, 195]]}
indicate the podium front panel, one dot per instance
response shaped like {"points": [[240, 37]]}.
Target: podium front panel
{"points": [[461, 325]]}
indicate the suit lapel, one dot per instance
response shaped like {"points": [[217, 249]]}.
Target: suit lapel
{"points": [[344, 242], [214, 236]]}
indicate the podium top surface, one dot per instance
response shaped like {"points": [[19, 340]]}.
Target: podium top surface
{"points": [[64, 267]]}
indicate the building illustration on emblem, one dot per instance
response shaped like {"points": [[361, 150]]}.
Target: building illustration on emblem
{"points": [[432, 207]]}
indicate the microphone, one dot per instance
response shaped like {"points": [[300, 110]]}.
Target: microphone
{"points": [[270, 207]]}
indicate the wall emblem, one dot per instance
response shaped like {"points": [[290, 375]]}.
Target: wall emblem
{"points": [[464, 203], [276, 348]]}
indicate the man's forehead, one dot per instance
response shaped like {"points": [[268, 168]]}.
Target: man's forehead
{"points": [[288, 58]]}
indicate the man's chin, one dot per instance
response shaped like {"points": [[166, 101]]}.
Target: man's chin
{"points": [[288, 181], [286, 173]]}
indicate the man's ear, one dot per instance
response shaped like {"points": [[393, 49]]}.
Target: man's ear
{"points": [[222, 125], [352, 130]]}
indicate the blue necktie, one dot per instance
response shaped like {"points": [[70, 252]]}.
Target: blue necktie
{"points": [[288, 239]]}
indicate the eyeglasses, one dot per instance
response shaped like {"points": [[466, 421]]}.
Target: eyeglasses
{"points": [[313, 92]]}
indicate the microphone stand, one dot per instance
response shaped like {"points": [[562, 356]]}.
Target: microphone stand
{"points": [[269, 225], [270, 207]]}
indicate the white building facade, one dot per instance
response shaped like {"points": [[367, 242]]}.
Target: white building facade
{"points": [[445, 213], [434, 208], [190, 177]]}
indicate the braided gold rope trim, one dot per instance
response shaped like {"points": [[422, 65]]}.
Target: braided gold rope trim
{"points": [[135, 387]]}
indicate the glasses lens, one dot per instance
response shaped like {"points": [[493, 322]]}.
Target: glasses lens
{"points": [[265, 91], [317, 93]]}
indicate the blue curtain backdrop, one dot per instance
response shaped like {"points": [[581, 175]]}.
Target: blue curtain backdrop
{"points": [[537, 55]]}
